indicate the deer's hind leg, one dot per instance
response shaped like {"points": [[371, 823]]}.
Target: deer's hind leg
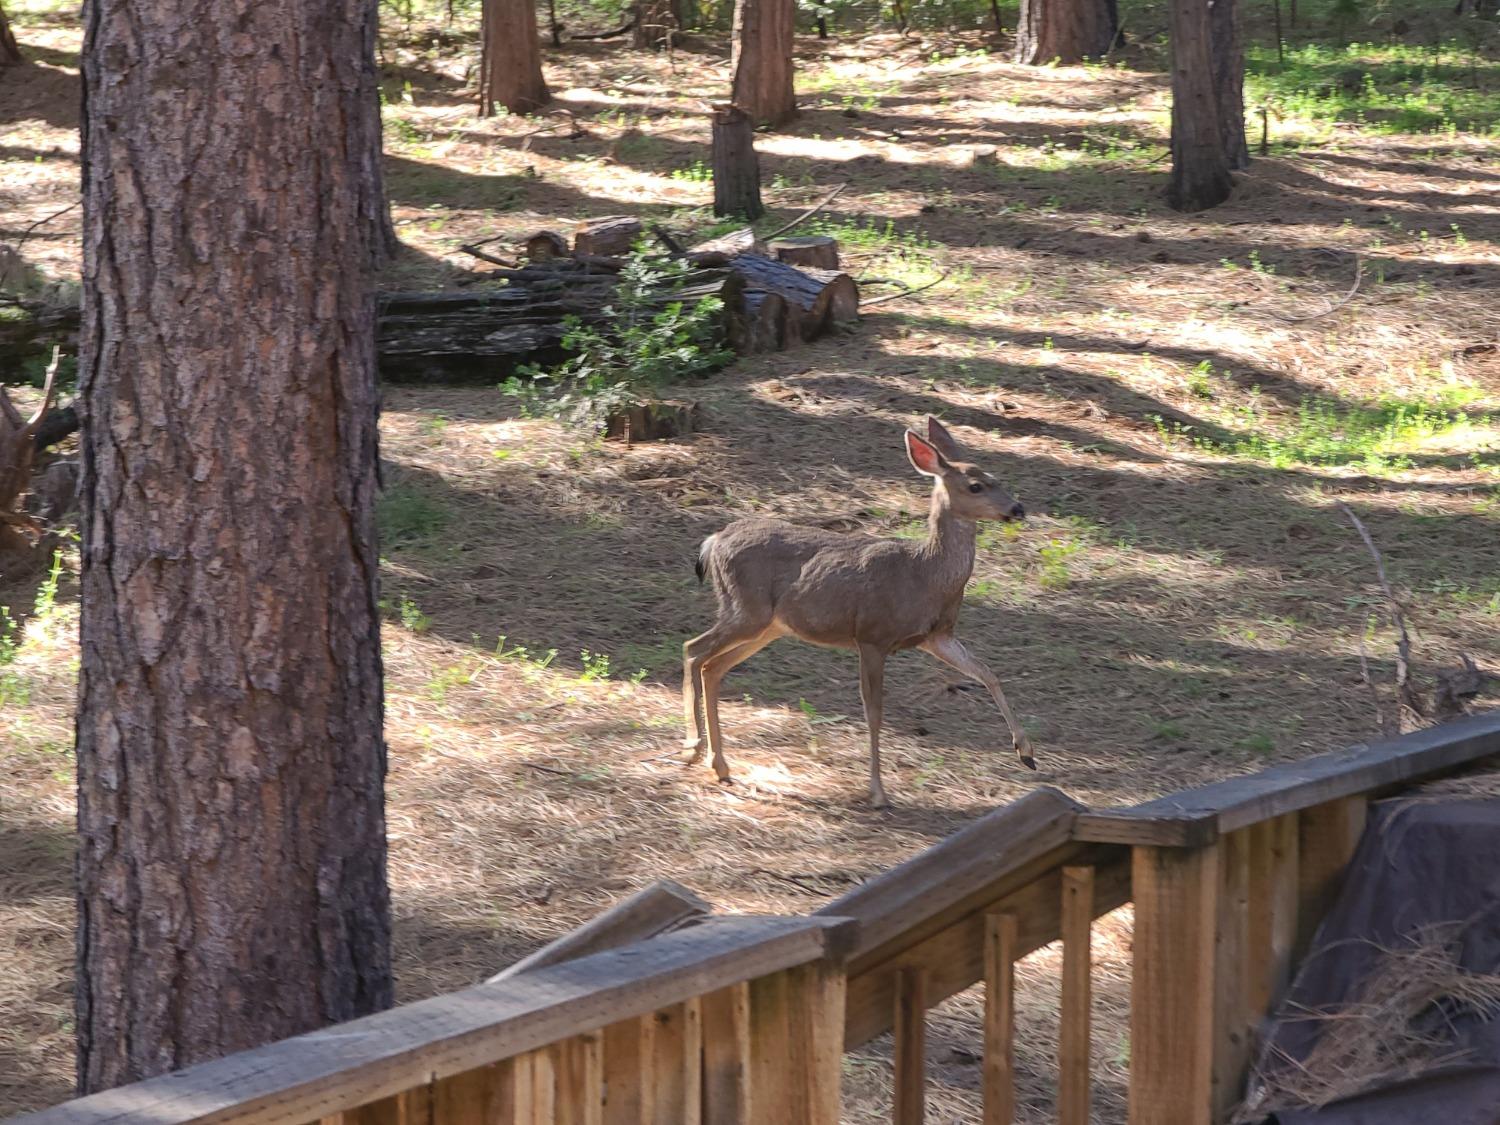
{"points": [[726, 635], [714, 670]]}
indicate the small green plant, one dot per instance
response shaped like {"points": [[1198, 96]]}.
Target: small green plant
{"points": [[1258, 743], [1055, 572], [46, 594], [1198, 383], [646, 339], [8, 629], [695, 173], [595, 666], [411, 615]]}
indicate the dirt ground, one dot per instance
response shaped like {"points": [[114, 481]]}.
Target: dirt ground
{"points": [[1180, 401]]}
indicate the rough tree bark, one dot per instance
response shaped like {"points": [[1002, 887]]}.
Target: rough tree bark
{"points": [[231, 867], [510, 64], [761, 60], [736, 166], [1229, 81], [1200, 171], [1066, 30], [10, 50]]}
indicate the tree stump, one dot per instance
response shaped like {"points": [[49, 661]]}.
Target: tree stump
{"points": [[612, 237], [652, 421], [767, 321], [816, 250], [736, 167], [545, 245]]}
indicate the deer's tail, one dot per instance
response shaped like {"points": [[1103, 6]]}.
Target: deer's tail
{"points": [[701, 563]]}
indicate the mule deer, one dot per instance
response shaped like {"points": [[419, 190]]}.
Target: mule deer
{"points": [[876, 596]]}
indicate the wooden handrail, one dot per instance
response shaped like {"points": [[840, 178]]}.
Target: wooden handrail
{"points": [[1199, 816], [354, 1064]]}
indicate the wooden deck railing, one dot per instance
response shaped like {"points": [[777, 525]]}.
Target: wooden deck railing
{"points": [[740, 1020]]}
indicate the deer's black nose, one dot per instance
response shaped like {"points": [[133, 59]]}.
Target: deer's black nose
{"points": [[1017, 512]]}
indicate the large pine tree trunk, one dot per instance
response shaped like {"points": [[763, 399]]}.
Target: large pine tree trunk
{"points": [[10, 50], [1068, 31], [510, 65], [231, 869], [1200, 172], [1229, 81], [761, 59]]}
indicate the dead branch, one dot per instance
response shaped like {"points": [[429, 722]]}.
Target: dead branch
{"points": [[809, 213], [1359, 274], [906, 292], [1407, 699], [474, 252]]}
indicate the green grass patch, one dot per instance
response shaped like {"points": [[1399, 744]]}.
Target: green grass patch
{"points": [[406, 516]]}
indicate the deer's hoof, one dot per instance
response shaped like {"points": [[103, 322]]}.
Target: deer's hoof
{"points": [[692, 752], [1028, 761], [878, 799]]}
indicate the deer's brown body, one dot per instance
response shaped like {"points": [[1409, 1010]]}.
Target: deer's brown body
{"points": [[876, 596]]}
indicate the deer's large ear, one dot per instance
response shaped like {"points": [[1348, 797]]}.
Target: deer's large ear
{"points": [[939, 437], [924, 455]]}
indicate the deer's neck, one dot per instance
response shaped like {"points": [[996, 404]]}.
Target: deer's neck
{"points": [[950, 542]]}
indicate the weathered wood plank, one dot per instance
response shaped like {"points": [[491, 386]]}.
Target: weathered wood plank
{"points": [[910, 1022], [675, 1069], [726, 1056], [578, 1066], [1001, 943], [1272, 936], [1327, 835], [1232, 1023], [1077, 996], [629, 1090], [1200, 815], [923, 895], [815, 1023], [348, 1065], [770, 1051], [954, 957], [1172, 985], [656, 909], [536, 1089], [482, 1096]]}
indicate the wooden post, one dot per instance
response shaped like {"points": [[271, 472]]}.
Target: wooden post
{"points": [[770, 1051], [1327, 835], [1001, 944], [726, 1056], [1073, 1034], [736, 167], [536, 1089], [815, 995], [1172, 985], [675, 1070], [578, 1064], [911, 1046], [1273, 912], [1232, 1021]]}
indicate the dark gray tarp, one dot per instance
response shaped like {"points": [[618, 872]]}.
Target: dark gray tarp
{"points": [[1420, 863]]}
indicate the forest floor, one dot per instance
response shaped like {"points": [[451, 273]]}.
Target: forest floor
{"points": [[1181, 401]]}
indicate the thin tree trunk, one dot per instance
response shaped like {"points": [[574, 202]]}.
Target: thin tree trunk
{"points": [[231, 865], [995, 12], [654, 24], [10, 50], [1229, 81], [510, 67], [1280, 35], [1067, 31], [1200, 173], [761, 59]]}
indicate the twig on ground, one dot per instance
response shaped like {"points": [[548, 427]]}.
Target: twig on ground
{"points": [[1359, 275], [667, 239], [904, 292], [474, 252], [809, 213], [1407, 700]]}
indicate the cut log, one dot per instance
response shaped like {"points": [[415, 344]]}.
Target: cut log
{"points": [[718, 251], [818, 300], [816, 250], [545, 245], [736, 167], [608, 238], [767, 317]]}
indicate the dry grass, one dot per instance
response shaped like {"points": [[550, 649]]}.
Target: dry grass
{"points": [[1184, 606], [1398, 1026]]}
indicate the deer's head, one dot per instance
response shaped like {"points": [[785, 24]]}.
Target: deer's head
{"points": [[972, 493]]}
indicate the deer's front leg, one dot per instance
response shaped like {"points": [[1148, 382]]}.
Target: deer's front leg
{"points": [[950, 651], [872, 692]]}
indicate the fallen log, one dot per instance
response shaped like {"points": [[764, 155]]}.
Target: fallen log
{"points": [[767, 321], [607, 238], [817, 300]]}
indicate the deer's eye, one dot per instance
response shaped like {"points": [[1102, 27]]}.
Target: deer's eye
{"points": [[975, 486]]}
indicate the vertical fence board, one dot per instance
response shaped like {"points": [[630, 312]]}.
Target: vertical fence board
{"points": [[536, 1088], [628, 1090], [1232, 1021], [1074, 1032], [674, 1069], [1273, 912], [485, 1096], [770, 1051], [726, 1056], [1326, 838], [410, 1107], [911, 1046], [578, 1069], [816, 1023], [1172, 985], [1001, 942]]}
